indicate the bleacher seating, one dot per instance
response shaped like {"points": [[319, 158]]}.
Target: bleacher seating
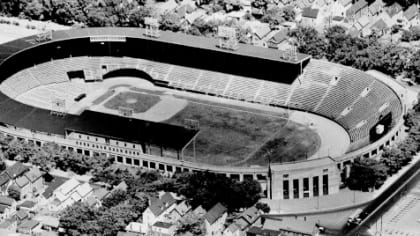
{"points": [[243, 88], [274, 93], [308, 95], [183, 77]]}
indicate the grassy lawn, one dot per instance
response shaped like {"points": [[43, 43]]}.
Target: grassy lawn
{"points": [[233, 137], [139, 102]]}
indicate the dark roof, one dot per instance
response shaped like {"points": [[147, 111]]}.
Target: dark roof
{"points": [[4, 178], [53, 185], [161, 224], [215, 213], [337, 18], [28, 224], [7, 201], [160, 205], [263, 232], [279, 36], [16, 170], [120, 233], [310, 12], [411, 12], [3, 208], [27, 204], [21, 214], [356, 7], [393, 9]]}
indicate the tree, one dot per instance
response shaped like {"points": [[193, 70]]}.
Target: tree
{"points": [[191, 223], [263, 207], [116, 197], [308, 41], [116, 219], [366, 174], [170, 21], [79, 218], [273, 16], [413, 67]]}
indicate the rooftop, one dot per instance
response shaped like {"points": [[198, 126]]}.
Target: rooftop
{"points": [[33, 174], [161, 224], [68, 186], [411, 12], [6, 201], [310, 12], [393, 9], [28, 224], [16, 170], [356, 7], [160, 205], [4, 178], [27, 204], [53, 185], [215, 213]]}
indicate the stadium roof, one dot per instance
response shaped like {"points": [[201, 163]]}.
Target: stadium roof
{"points": [[180, 39]]}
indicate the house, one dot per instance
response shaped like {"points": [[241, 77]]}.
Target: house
{"points": [[36, 181], [163, 229], [52, 186], [258, 231], [21, 215], [7, 207], [128, 234], [376, 8], [259, 30], [22, 185], [69, 192], [178, 211], [311, 16], [197, 14], [29, 227], [49, 223], [97, 196], [361, 24], [184, 9], [4, 183], [133, 227], [243, 222], [303, 3], [289, 226], [357, 10], [27, 205], [233, 230], [278, 38], [214, 219], [157, 211], [380, 27], [9, 224], [16, 170], [411, 14], [394, 11], [345, 3]]}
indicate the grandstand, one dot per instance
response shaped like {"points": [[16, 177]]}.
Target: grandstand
{"points": [[356, 101]]}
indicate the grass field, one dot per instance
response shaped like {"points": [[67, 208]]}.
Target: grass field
{"points": [[229, 136], [139, 102]]}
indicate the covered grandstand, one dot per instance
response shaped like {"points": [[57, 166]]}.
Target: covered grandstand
{"points": [[355, 100]]}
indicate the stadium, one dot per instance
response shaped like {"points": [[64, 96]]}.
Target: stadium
{"points": [[180, 103]]}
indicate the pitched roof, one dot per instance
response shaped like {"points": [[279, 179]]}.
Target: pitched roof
{"points": [[84, 189], [411, 12], [28, 204], [363, 21], [261, 30], [379, 25], [7, 223], [3, 208], [393, 9], [33, 174], [100, 193], [68, 186], [310, 12], [6, 201], [376, 7], [121, 186], [356, 7], [22, 214], [16, 170], [161, 224], [4, 178], [48, 220], [28, 224], [279, 36], [215, 213], [160, 205], [233, 227], [22, 181], [250, 215], [344, 3], [53, 185], [263, 232]]}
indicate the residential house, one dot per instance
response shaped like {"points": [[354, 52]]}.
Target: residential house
{"points": [[49, 223], [357, 10], [346, 3], [411, 15], [259, 31], [16, 170], [289, 226], [197, 14], [163, 229], [376, 8], [214, 219], [4, 183], [279, 38], [21, 215], [157, 211], [311, 16], [29, 227], [36, 182], [27, 206], [7, 207], [242, 223], [395, 12], [303, 3], [380, 27], [183, 10], [69, 192], [178, 211], [9, 224], [361, 25], [97, 196], [258, 231], [133, 227], [233, 230]]}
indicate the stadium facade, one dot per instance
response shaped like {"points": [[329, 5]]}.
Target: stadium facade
{"points": [[368, 108]]}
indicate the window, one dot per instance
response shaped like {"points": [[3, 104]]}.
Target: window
{"points": [[295, 188], [286, 189], [136, 162], [234, 176], [315, 185], [325, 184], [169, 168], [161, 167], [145, 164], [128, 161], [305, 187], [178, 169], [152, 165], [248, 177], [119, 159], [87, 153], [134, 146]]}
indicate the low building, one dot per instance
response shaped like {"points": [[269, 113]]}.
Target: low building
{"points": [[311, 16], [9, 224], [49, 223], [7, 207], [376, 8], [357, 10], [157, 211], [27, 205], [380, 27], [29, 227], [279, 38], [163, 229], [395, 11], [411, 15], [214, 219]]}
